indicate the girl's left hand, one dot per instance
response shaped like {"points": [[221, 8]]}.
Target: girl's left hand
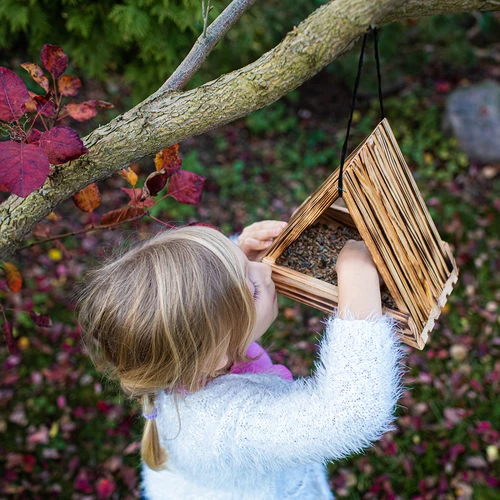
{"points": [[258, 237]]}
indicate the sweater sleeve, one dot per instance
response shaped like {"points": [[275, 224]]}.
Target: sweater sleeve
{"points": [[346, 406]]}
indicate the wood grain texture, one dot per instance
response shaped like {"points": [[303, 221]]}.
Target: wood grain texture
{"points": [[384, 204]]}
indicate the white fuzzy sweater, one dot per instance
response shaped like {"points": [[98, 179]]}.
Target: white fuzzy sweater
{"points": [[256, 436]]}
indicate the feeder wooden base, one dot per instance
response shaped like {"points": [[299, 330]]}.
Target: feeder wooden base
{"points": [[324, 296]]}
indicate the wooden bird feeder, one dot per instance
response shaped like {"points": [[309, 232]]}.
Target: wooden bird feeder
{"points": [[385, 206]]}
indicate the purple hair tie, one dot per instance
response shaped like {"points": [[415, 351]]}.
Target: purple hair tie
{"points": [[152, 415]]}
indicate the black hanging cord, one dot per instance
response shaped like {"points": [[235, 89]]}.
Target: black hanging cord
{"points": [[353, 102], [379, 78]]}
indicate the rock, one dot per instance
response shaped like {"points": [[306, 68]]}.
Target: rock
{"points": [[473, 115]]}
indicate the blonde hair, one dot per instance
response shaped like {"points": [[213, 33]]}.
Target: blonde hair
{"points": [[163, 316]]}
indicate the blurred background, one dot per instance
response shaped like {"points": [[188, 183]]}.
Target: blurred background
{"points": [[65, 432]]}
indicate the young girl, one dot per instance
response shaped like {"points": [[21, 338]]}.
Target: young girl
{"points": [[176, 318]]}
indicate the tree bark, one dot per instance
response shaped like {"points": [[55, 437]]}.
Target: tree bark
{"points": [[166, 118]]}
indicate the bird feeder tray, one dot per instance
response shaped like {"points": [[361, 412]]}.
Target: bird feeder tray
{"points": [[382, 204]]}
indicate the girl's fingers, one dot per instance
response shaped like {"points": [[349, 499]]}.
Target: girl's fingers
{"points": [[256, 244], [267, 233], [266, 224]]}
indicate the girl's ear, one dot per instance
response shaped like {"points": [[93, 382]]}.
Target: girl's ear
{"points": [[223, 362]]}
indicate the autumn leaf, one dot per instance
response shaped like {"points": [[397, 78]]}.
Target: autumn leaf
{"points": [[69, 86], [62, 144], [34, 137], [30, 105], [81, 112], [105, 488], [41, 230], [186, 187], [54, 59], [40, 319], [135, 198], [24, 167], [120, 215], [154, 183], [13, 95], [45, 105], [129, 175], [169, 159], [13, 276], [86, 110], [37, 74], [53, 217], [7, 331], [88, 199]]}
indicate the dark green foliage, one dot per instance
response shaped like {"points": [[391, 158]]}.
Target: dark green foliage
{"points": [[142, 40]]}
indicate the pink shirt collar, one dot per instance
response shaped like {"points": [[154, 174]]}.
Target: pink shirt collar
{"points": [[261, 365]]}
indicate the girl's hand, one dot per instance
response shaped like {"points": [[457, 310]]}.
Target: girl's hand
{"points": [[358, 282], [355, 254], [258, 237]]}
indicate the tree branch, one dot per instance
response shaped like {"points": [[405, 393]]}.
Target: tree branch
{"points": [[166, 118], [205, 43]]}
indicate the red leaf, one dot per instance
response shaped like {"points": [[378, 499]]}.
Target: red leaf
{"points": [[14, 280], [99, 104], [30, 105], [40, 319], [37, 74], [69, 85], [82, 482], [62, 144], [169, 159], [24, 167], [45, 105], [186, 187], [81, 112], [7, 331], [135, 198], [41, 230], [86, 110], [120, 215], [105, 488], [34, 137], [13, 95], [154, 183], [54, 59], [88, 199]]}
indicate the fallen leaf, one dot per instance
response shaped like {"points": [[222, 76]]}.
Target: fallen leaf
{"points": [[14, 279], [41, 319]]}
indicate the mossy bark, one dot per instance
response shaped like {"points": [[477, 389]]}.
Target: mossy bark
{"points": [[167, 117]]}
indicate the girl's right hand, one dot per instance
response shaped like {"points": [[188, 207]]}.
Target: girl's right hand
{"points": [[354, 254], [358, 282]]}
